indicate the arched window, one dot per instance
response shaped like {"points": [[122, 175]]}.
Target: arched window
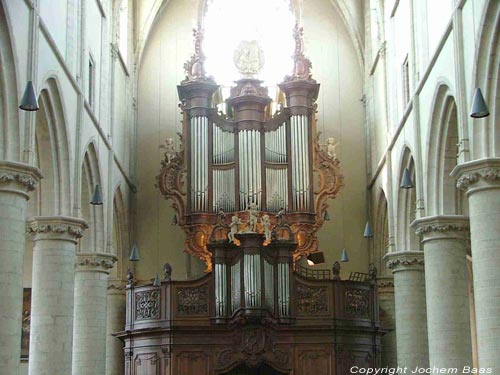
{"points": [[227, 23]]}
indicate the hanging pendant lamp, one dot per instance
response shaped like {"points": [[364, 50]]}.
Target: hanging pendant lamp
{"points": [[406, 182], [368, 230], [344, 257], [326, 216], [157, 281], [29, 101], [134, 254], [479, 108], [97, 197]]}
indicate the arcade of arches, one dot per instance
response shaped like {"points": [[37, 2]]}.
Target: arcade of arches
{"points": [[377, 94]]}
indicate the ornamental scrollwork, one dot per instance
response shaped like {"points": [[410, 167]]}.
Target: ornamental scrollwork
{"points": [[147, 305], [357, 302], [312, 300], [192, 301]]}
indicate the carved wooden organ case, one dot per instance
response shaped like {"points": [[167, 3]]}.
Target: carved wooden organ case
{"points": [[227, 162]]}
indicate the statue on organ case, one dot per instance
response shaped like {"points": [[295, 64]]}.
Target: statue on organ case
{"points": [[252, 218]]}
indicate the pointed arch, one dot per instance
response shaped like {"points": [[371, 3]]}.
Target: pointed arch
{"points": [[93, 239], [121, 240], [485, 139], [442, 195], [406, 239], [10, 129], [52, 152], [381, 228]]}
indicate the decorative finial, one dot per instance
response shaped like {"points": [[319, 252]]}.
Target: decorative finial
{"points": [[302, 65], [167, 272], [336, 271], [195, 67]]}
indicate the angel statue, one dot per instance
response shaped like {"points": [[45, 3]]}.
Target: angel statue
{"points": [[331, 144], [252, 218], [266, 227], [234, 226], [169, 148]]}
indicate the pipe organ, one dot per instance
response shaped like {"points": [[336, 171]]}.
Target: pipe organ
{"points": [[250, 191], [229, 162]]}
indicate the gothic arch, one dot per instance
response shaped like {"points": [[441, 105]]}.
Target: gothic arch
{"points": [[93, 240], [442, 195], [52, 153], [486, 137], [120, 232], [381, 229], [406, 239], [10, 137]]}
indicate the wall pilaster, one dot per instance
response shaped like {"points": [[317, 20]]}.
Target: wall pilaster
{"points": [[16, 181], [51, 337], [89, 328], [409, 300], [480, 179], [445, 239]]}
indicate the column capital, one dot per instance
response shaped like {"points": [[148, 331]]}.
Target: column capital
{"points": [[478, 175], [385, 284], [94, 262], [56, 228], [405, 261], [18, 178], [442, 227]]}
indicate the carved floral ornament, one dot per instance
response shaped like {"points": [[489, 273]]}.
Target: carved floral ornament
{"points": [[96, 262], [491, 175], [405, 261], [25, 176], [74, 230], [441, 227]]}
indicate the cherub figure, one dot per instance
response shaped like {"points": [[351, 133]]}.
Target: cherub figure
{"points": [[169, 150], [331, 144], [266, 227], [234, 226], [252, 218]]}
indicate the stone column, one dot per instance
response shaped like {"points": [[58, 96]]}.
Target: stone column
{"points": [[115, 360], [51, 338], [409, 299], [445, 240], [481, 180], [89, 327], [16, 180], [385, 288]]}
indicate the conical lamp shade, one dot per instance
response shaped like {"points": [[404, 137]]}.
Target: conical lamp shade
{"points": [[29, 101], [368, 230], [157, 281], [344, 257], [326, 216], [406, 182], [134, 254], [479, 107], [97, 197]]}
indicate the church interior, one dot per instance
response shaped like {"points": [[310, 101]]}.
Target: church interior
{"points": [[235, 187]]}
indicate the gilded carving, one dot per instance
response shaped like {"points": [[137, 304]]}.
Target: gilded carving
{"points": [[312, 300], [302, 65], [147, 305], [192, 301], [357, 302]]}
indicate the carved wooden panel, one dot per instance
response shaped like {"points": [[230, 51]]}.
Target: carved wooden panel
{"points": [[147, 364], [347, 358], [312, 300], [315, 362], [147, 305], [192, 301], [193, 363], [357, 303]]}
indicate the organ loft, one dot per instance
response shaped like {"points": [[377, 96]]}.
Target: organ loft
{"points": [[250, 189]]}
